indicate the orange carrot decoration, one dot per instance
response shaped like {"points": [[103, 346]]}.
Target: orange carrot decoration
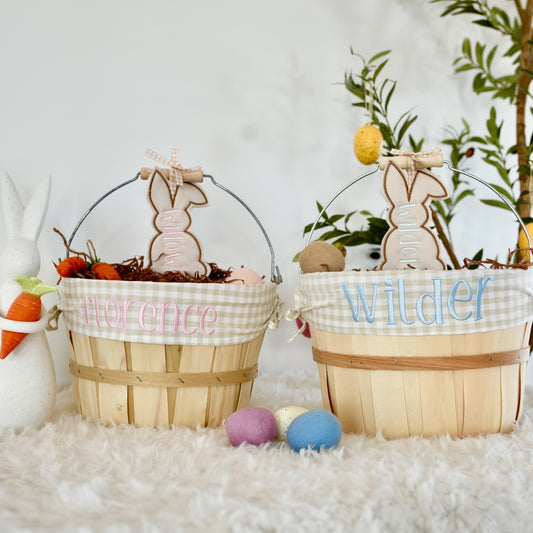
{"points": [[72, 265], [25, 308], [82, 262], [105, 271]]}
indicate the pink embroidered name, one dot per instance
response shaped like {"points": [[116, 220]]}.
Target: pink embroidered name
{"points": [[165, 317]]}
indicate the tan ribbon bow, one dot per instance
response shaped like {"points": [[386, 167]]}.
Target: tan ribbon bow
{"points": [[413, 157], [175, 173]]}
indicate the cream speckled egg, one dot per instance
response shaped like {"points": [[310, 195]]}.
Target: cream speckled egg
{"points": [[284, 417]]}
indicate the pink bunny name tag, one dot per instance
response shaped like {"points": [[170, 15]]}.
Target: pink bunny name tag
{"points": [[410, 242], [174, 248]]}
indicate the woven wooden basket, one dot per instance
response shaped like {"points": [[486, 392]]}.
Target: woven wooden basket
{"points": [[157, 384], [417, 384], [424, 385]]}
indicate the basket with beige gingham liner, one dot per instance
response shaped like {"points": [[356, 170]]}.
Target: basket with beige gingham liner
{"points": [[161, 353], [419, 351]]}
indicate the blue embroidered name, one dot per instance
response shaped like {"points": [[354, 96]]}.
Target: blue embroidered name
{"points": [[430, 307]]}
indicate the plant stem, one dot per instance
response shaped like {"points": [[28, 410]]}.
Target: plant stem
{"points": [[445, 240], [523, 82]]}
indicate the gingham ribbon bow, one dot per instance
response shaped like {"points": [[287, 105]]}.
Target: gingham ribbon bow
{"points": [[175, 175], [413, 157]]}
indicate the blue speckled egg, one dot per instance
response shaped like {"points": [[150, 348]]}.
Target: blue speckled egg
{"points": [[254, 425], [315, 429]]}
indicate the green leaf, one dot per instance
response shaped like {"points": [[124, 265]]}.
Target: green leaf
{"points": [[378, 55], [480, 49], [477, 257], [490, 56], [379, 69], [378, 223], [333, 234], [503, 192], [405, 126], [464, 194], [319, 225], [495, 203], [467, 48], [389, 96]]}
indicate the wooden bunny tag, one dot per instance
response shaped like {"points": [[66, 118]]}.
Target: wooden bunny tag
{"points": [[172, 192], [410, 242]]}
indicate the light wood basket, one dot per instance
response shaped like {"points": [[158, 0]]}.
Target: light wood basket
{"points": [[157, 384], [119, 382], [423, 385], [461, 385]]}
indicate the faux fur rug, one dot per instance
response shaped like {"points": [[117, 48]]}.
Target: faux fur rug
{"points": [[74, 475]]}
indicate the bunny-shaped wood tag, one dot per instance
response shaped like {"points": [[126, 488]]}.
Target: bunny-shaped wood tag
{"points": [[172, 194], [410, 243]]}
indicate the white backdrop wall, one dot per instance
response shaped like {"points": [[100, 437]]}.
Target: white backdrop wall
{"points": [[250, 90]]}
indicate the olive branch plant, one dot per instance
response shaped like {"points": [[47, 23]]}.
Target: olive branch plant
{"points": [[511, 86]]}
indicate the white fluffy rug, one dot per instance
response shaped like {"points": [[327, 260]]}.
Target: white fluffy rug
{"points": [[73, 475]]}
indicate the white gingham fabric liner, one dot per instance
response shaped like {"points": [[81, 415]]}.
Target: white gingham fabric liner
{"points": [[506, 300], [242, 311]]}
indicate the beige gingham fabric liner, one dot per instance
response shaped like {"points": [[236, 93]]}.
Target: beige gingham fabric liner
{"points": [[506, 302], [243, 311]]}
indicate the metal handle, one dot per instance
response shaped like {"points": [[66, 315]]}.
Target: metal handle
{"points": [[275, 274], [448, 164]]}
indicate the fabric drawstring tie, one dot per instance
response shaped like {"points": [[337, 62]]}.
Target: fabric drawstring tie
{"points": [[414, 157]]}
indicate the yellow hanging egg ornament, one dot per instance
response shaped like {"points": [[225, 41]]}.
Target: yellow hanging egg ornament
{"points": [[523, 243], [367, 144]]}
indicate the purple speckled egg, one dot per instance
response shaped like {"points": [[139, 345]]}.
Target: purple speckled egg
{"points": [[254, 425]]}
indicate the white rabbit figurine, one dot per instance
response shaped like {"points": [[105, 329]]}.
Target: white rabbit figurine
{"points": [[27, 376], [410, 243], [174, 248]]}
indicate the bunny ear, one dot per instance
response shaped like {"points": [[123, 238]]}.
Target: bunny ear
{"points": [[190, 194], [35, 211], [159, 192], [395, 186], [426, 186], [11, 205]]}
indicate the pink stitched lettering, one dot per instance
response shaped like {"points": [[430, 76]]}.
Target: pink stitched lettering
{"points": [[211, 319], [117, 313], [184, 320], [97, 312], [143, 315], [86, 307], [163, 308], [125, 306]]}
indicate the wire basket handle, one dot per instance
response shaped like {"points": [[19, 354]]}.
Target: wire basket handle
{"points": [[275, 274], [445, 162]]}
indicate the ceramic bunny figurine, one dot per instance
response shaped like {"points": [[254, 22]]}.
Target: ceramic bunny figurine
{"points": [[410, 243], [174, 248], [27, 375]]}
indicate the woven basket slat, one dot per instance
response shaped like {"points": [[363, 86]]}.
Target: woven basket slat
{"points": [[112, 399], [250, 358], [224, 399], [173, 359], [192, 403], [87, 390], [150, 404]]}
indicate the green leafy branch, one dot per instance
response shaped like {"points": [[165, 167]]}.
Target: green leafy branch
{"points": [[368, 84], [513, 86], [371, 79], [342, 236]]}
